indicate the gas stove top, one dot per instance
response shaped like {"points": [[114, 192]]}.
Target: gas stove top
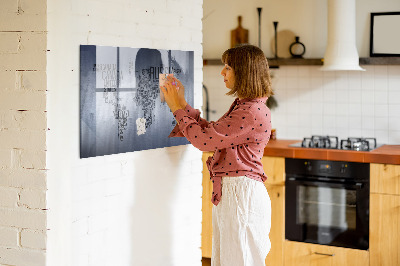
{"points": [[332, 142]]}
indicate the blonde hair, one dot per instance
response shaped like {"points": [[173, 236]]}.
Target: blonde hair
{"points": [[250, 66]]}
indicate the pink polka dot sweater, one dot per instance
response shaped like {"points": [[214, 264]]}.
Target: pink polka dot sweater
{"points": [[238, 139]]}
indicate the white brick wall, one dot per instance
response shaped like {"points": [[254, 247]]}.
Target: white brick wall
{"points": [[23, 132], [140, 208]]}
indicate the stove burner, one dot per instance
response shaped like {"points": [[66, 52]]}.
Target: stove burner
{"points": [[358, 144], [332, 142], [328, 142]]}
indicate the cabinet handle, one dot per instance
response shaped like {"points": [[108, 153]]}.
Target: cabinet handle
{"points": [[324, 254]]}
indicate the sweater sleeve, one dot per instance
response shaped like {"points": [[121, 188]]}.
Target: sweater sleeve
{"points": [[193, 113], [230, 131]]}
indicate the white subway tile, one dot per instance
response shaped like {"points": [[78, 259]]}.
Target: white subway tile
{"points": [[394, 137], [329, 94], [382, 123], [394, 83], [394, 97], [355, 96], [367, 133], [382, 136], [329, 122], [342, 80], [291, 71], [381, 97], [304, 72], [329, 109], [394, 110], [380, 71], [354, 80], [355, 132], [368, 123], [304, 82], [355, 122], [328, 74], [342, 109], [381, 110], [292, 83], [342, 122], [367, 110], [394, 123], [380, 84], [367, 96], [394, 71]]}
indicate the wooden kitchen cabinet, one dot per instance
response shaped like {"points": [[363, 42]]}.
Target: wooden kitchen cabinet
{"points": [[206, 225], [277, 233], [385, 178], [305, 254], [385, 215], [274, 168], [384, 236]]}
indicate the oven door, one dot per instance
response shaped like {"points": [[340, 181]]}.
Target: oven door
{"points": [[327, 213]]}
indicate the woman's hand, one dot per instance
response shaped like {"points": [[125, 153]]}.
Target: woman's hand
{"points": [[173, 95], [181, 92]]}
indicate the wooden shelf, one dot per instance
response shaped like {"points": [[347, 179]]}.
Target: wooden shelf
{"points": [[380, 61], [273, 63]]}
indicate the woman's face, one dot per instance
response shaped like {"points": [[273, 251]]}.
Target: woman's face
{"points": [[229, 76]]}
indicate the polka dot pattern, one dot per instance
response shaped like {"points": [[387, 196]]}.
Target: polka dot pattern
{"points": [[238, 139]]}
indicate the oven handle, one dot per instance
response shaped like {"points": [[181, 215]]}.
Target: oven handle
{"points": [[357, 185], [324, 254]]}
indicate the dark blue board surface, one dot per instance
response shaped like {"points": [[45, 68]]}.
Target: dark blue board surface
{"points": [[120, 107]]}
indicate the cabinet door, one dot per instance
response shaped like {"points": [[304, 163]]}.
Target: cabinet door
{"points": [[277, 233], [384, 230], [206, 225], [385, 178], [274, 168], [304, 254]]}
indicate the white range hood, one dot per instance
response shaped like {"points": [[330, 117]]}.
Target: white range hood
{"points": [[341, 51]]}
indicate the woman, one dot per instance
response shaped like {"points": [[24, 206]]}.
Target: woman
{"points": [[242, 208]]}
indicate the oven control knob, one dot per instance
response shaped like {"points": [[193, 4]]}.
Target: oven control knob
{"points": [[343, 168], [308, 166]]}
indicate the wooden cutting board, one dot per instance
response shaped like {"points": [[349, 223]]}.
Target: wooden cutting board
{"points": [[239, 35]]}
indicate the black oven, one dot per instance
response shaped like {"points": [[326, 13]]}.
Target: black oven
{"points": [[327, 202]]}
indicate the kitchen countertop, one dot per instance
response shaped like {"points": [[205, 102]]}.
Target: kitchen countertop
{"points": [[389, 154]]}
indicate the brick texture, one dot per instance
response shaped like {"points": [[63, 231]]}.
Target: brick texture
{"points": [[23, 126]]}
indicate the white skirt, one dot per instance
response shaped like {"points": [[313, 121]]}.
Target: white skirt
{"points": [[241, 223]]}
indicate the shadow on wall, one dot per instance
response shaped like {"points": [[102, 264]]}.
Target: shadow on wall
{"points": [[152, 222]]}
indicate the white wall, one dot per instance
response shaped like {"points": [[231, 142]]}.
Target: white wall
{"points": [[306, 19], [23, 133], [311, 102], [140, 208]]}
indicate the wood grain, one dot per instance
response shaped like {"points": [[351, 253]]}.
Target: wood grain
{"points": [[304, 254], [206, 225], [277, 233], [385, 178], [384, 230]]}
